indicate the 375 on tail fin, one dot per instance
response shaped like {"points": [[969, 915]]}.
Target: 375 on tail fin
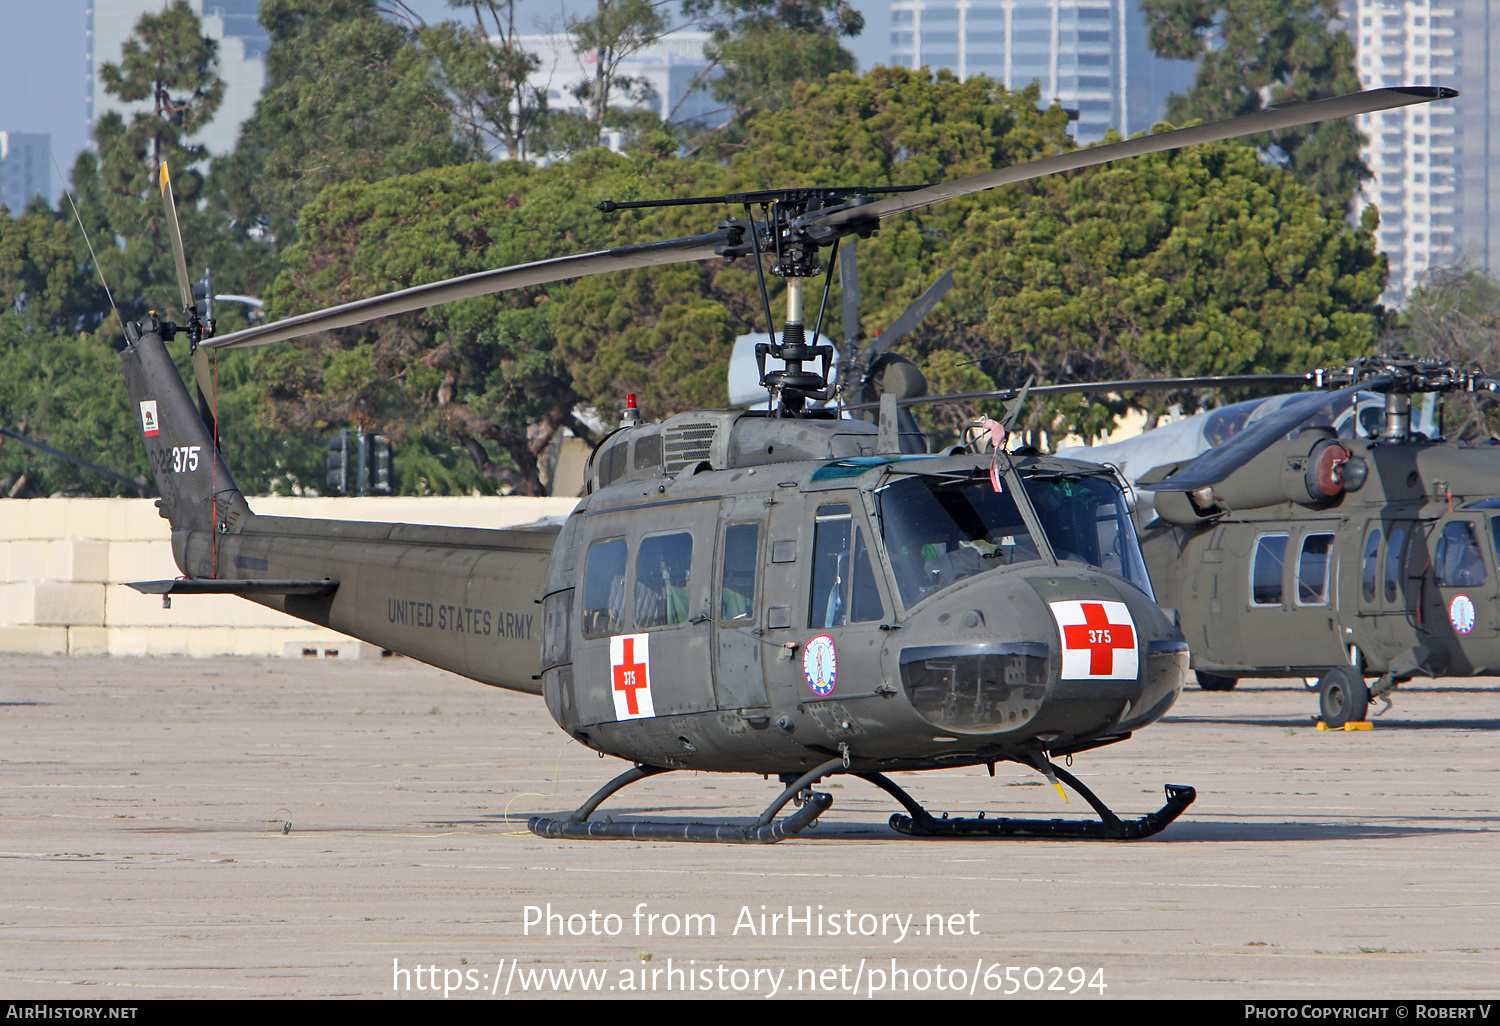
{"points": [[197, 491]]}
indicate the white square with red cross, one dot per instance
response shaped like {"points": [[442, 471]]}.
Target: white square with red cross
{"points": [[1098, 640], [630, 676]]}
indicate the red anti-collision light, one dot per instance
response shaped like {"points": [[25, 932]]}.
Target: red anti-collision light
{"points": [[630, 401]]}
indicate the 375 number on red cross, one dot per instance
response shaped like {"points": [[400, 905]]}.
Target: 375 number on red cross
{"points": [[630, 676], [1098, 640]]}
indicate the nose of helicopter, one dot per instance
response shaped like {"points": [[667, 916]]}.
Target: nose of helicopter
{"points": [[1066, 656]]}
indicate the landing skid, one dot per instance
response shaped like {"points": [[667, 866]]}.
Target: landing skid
{"points": [[812, 804], [762, 831], [1109, 828]]}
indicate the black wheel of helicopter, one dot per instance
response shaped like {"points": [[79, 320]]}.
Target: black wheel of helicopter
{"points": [[1343, 697], [1215, 682]]}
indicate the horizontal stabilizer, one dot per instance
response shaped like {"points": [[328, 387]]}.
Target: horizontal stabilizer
{"points": [[205, 586]]}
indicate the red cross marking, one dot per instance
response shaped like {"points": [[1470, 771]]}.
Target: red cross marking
{"points": [[630, 676], [1100, 637]]}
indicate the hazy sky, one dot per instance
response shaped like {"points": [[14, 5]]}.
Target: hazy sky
{"points": [[44, 78]]}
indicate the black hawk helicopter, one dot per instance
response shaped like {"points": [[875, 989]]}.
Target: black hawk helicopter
{"points": [[1334, 539], [782, 591]]}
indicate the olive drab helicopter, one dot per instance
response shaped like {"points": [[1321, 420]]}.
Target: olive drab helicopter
{"points": [[781, 591], [1338, 524]]}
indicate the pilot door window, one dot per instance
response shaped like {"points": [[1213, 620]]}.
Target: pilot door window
{"points": [[737, 587], [604, 588], [1458, 560], [1267, 570], [843, 580]]}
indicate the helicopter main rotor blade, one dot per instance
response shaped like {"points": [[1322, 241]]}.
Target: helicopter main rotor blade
{"points": [[1221, 461], [481, 283], [912, 315], [828, 223]]}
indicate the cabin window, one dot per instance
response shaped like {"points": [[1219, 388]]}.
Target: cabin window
{"points": [[843, 586], [1393, 563], [604, 588], [1369, 576], [737, 587], [1312, 570], [662, 570], [1270, 558], [1459, 561]]}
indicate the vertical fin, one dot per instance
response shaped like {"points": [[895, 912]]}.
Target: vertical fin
{"points": [[197, 491]]}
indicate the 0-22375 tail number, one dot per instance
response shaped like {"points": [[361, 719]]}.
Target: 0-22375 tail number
{"points": [[183, 458]]}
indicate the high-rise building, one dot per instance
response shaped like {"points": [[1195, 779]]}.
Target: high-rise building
{"points": [[1092, 56], [234, 24], [1437, 165], [25, 169], [1411, 151]]}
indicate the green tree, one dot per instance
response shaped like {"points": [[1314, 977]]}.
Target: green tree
{"points": [[170, 62], [65, 390], [616, 30], [1252, 54], [487, 73], [45, 274], [1454, 314], [347, 98], [761, 48], [1197, 261], [483, 375]]}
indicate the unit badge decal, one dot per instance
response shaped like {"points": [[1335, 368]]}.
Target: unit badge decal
{"points": [[150, 424], [1098, 640], [630, 676], [1461, 613], [820, 665]]}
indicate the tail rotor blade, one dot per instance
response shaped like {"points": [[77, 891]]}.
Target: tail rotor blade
{"points": [[203, 374], [174, 232], [202, 367], [849, 285]]}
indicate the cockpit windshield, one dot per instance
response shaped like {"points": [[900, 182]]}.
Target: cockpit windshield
{"points": [[938, 532]]}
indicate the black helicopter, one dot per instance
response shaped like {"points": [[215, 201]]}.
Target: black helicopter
{"points": [[781, 591]]}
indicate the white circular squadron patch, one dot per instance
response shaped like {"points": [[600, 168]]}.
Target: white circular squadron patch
{"points": [[1461, 613], [820, 665]]}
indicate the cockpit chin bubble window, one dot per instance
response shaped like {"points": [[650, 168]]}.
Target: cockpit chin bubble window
{"points": [[938, 532]]}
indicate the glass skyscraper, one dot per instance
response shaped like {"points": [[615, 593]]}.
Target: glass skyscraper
{"points": [[1090, 55]]}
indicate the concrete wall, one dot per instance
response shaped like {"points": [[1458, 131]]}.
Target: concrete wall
{"points": [[64, 564]]}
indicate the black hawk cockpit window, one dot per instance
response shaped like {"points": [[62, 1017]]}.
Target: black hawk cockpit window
{"points": [[1460, 564]]}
